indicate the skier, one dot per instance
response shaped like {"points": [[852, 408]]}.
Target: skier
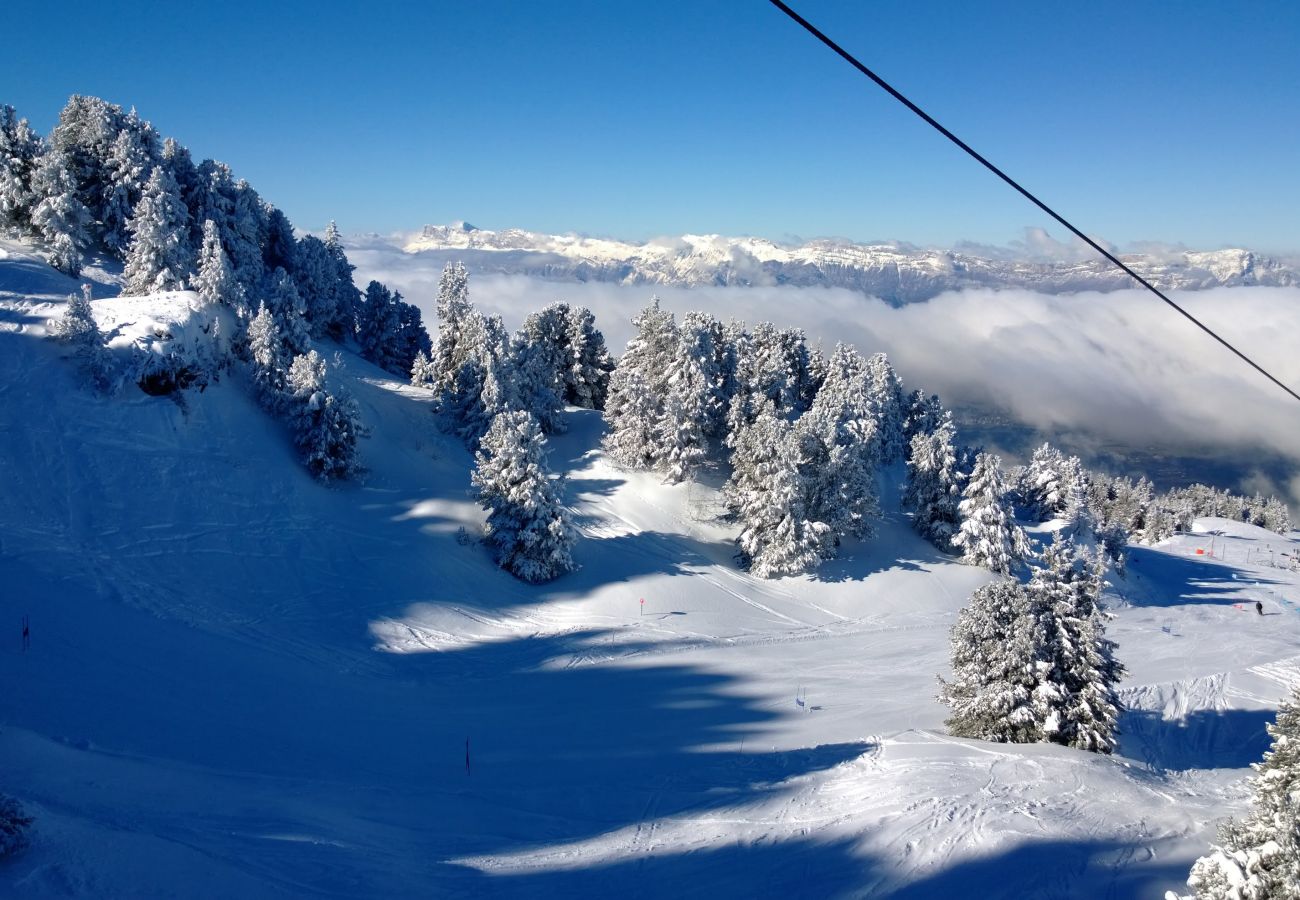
{"points": [[1259, 607], [27, 634]]}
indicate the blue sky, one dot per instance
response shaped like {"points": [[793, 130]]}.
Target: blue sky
{"points": [[1172, 122]]}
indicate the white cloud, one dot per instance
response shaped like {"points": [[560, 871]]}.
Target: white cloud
{"points": [[1120, 367]]}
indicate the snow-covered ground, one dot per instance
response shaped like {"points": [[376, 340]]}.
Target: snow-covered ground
{"points": [[244, 684]]}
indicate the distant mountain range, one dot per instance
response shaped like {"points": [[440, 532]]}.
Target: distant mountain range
{"points": [[897, 273]]}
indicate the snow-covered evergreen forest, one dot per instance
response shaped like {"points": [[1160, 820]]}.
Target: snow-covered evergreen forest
{"points": [[524, 505]]}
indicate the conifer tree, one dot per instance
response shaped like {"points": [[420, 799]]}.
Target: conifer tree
{"points": [[988, 536], [994, 692], [638, 385], [316, 278], [159, 256], [267, 354], [289, 311], [778, 535], [378, 321], [1259, 856], [346, 295], [454, 313], [215, 281], [933, 489], [1078, 671], [129, 166], [324, 425], [586, 378], [422, 371], [60, 218], [528, 527], [885, 391], [20, 152]]}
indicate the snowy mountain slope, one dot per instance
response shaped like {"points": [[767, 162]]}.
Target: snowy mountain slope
{"points": [[898, 273], [242, 683]]}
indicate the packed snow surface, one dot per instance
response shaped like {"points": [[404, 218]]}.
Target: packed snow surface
{"points": [[243, 684]]}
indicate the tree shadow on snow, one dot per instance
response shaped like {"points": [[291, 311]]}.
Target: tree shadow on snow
{"points": [[1048, 870], [1150, 573], [1204, 739], [564, 749], [796, 868]]}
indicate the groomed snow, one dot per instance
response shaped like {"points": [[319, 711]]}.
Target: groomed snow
{"points": [[244, 684]]}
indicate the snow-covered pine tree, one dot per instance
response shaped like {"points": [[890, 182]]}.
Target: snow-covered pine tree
{"points": [[346, 295], [378, 321], [15, 827], [693, 407], [778, 533], [1081, 523], [324, 425], [841, 473], [317, 280], [245, 235], [933, 489], [77, 325], [412, 339], [465, 404], [923, 414], [215, 281], [633, 442], [527, 379], [279, 246], [1043, 485], [423, 373], [1258, 858], [586, 381], [885, 391], [60, 218], [989, 536], [995, 643], [641, 373], [159, 257], [176, 159], [454, 314], [266, 352], [20, 152], [528, 527], [290, 312], [1079, 671], [128, 169]]}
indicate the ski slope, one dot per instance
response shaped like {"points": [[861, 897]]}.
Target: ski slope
{"points": [[244, 684]]}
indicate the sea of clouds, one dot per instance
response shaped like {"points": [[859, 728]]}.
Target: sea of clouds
{"points": [[1121, 368]]}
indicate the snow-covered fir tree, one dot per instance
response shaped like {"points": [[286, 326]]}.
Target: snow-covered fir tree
{"points": [[933, 489], [346, 295], [923, 414], [1078, 671], [693, 408], [279, 246], [454, 314], [989, 536], [289, 311], [1043, 485], [60, 218], [586, 379], [633, 443], [378, 323], [778, 532], [129, 167], [994, 690], [423, 373], [885, 391], [528, 527], [215, 281], [472, 400], [325, 425], [316, 277], [159, 257], [640, 376], [20, 152], [77, 328], [15, 827], [266, 353], [840, 452], [1258, 857]]}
